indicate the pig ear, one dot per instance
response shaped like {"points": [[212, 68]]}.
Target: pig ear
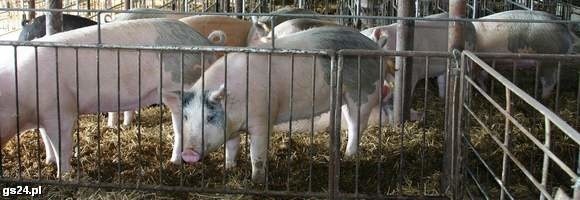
{"points": [[380, 37], [218, 95]]}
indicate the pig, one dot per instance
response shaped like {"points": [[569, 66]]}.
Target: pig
{"points": [[428, 36], [267, 20], [504, 37], [297, 25], [243, 33], [146, 13], [36, 28], [62, 85], [218, 126], [239, 31]]}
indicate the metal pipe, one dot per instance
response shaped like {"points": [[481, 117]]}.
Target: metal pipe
{"points": [[53, 19], [127, 4], [405, 32], [32, 5], [450, 156], [239, 7]]}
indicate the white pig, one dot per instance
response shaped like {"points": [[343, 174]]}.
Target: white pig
{"points": [[297, 25], [428, 36], [157, 32], [504, 37], [219, 126]]}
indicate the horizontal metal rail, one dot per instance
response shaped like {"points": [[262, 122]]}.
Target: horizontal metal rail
{"points": [[300, 15], [558, 122], [209, 190], [167, 48]]}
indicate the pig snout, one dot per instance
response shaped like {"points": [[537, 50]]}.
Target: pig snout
{"points": [[190, 156]]}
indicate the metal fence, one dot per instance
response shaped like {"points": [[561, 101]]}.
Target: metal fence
{"points": [[525, 122], [399, 162]]}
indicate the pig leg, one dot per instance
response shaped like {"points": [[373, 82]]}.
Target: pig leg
{"points": [[441, 83], [127, 118], [232, 147], [112, 119], [548, 79], [258, 152], [47, 147], [350, 113], [65, 144]]}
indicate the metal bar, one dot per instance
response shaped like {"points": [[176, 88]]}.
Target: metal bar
{"points": [[451, 157], [127, 4], [289, 136], [506, 142], [334, 146], [358, 131], [17, 117], [54, 18], [380, 136], [402, 89], [557, 101], [160, 147], [225, 126], [139, 103], [207, 190], [479, 157], [557, 160], [311, 141], [118, 131], [474, 179], [32, 5], [546, 162], [557, 121], [38, 112]]}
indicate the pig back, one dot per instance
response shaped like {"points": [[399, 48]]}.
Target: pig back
{"points": [[236, 30], [523, 37], [146, 13], [337, 38]]}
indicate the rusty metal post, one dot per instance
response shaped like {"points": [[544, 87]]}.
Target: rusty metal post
{"points": [[127, 4], [53, 19], [31, 5], [405, 33], [451, 157]]}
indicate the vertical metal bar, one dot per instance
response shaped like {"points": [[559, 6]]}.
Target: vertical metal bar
{"points": [[182, 92], [358, 131], [38, 111], [456, 43], [507, 142], [239, 7], [31, 5], [557, 101], [99, 111], [247, 101], [266, 163], [289, 136], [120, 158], [58, 116], [546, 163], [127, 4], [224, 179], [311, 142], [78, 113], [159, 157], [402, 91], [423, 138], [53, 19], [202, 115], [334, 164], [18, 155], [139, 149], [380, 136]]}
